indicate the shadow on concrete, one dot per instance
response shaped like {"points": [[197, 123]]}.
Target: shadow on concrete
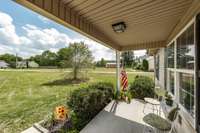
{"points": [[108, 122], [114, 107]]}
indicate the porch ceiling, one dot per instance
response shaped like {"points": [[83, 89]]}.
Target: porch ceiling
{"points": [[150, 23]]}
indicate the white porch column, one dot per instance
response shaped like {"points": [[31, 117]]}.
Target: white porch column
{"points": [[118, 71], [154, 58]]}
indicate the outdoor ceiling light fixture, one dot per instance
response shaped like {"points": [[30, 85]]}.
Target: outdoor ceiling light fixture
{"points": [[119, 27]]}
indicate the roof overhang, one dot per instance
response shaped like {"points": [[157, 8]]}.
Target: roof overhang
{"points": [[150, 23]]}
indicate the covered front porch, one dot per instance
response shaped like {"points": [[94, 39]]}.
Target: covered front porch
{"points": [[140, 24], [122, 118]]}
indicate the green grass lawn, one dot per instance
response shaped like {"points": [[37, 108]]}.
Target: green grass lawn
{"points": [[24, 99]]}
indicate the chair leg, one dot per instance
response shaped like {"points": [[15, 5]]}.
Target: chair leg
{"points": [[147, 129], [153, 108], [144, 107], [158, 110], [144, 129]]}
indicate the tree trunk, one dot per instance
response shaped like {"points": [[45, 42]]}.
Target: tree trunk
{"points": [[75, 73]]}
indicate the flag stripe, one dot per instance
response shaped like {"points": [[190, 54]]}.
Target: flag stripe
{"points": [[124, 80]]}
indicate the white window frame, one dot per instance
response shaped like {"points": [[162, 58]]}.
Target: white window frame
{"points": [[172, 70], [183, 111], [168, 83]]}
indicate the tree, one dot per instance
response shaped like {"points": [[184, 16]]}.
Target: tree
{"points": [[101, 63], [128, 58], [47, 58], [36, 58], [63, 57], [80, 57], [10, 59], [145, 65]]}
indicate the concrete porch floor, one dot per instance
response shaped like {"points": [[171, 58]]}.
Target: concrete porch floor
{"points": [[121, 118]]}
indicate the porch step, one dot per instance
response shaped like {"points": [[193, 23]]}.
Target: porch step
{"points": [[31, 130], [36, 128]]}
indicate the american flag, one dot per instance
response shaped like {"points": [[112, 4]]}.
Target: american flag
{"points": [[124, 80]]}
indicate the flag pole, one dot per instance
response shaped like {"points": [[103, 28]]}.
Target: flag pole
{"points": [[118, 71]]}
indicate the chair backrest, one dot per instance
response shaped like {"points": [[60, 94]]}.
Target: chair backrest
{"points": [[173, 114]]}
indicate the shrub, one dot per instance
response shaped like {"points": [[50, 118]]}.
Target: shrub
{"points": [[73, 131], [126, 96], [142, 87], [145, 65], [106, 88], [139, 67], [87, 102]]}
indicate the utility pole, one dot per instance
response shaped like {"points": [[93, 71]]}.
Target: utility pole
{"points": [[16, 61]]}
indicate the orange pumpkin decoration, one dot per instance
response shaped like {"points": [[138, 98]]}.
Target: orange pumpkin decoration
{"points": [[61, 113]]}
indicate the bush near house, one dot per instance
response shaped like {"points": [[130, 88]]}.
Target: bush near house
{"points": [[145, 65], [88, 102], [106, 87], [141, 87], [138, 67]]}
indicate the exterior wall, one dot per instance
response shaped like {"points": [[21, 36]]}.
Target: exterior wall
{"points": [[111, 65], [184, 122], [32, 64], [161, 81], [151, 63], [182, 125]]}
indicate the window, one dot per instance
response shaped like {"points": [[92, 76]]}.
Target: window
{"points": [[170, 56], [171, 82], [157, 67], [185, 60], [185, 49], [186, 87]]}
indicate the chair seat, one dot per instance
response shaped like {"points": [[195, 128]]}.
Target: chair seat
{"points": [[157, 122]]}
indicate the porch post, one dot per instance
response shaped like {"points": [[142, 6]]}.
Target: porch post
{"points": [[118, 71], [197, 72], [154, 59]]}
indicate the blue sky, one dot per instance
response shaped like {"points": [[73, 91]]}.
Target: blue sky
{"points": [[27, 33]]}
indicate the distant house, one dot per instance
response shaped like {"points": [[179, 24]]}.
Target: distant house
{"points": [[27, 64], [111, 65], [32, 64], [21, 64], [150, 60], [3, 64]]}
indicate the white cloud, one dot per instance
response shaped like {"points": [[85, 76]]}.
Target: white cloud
{"points": [[53, 40], [36, 40], [7, 30], [46, 38], [43, 19], [5, 49]]}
